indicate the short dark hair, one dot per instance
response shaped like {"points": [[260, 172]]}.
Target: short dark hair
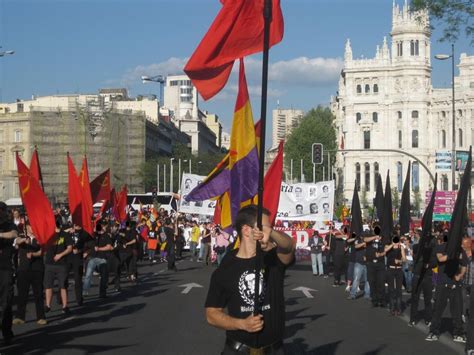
{"points": [[248, 216], [167, 221]]}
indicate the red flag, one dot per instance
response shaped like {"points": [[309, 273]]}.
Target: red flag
{"points": [[272, 184], [35, 167], [100, 187], [236, 32], [342, 142], [36, 204], [86, 205], [122, 204], [74, 193], [217, 213]]}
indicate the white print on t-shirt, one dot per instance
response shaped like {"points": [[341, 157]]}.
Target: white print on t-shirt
{"points": [[247, 287]]}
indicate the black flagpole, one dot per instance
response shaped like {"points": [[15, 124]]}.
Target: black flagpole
{"points": [[39, 168], [267, 15]]}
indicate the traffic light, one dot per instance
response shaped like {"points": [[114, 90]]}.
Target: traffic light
{"points": [[317, 153]]}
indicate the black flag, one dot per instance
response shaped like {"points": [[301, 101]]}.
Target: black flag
{"points": [[459, 217], [378, 201], [356, 220], [405, 205], [387, 218]]}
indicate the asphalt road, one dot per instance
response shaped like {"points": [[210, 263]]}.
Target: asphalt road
{"points": [[161, 315]]}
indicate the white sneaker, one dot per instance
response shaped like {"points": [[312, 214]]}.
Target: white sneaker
{"points": [[348, 288]]}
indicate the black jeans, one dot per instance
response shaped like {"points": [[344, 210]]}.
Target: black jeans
{"points": [[6, 299], [376, 278], [76, 265], [339, 261], [395, 279], [470, 324], [426, 286], [113, 265], [25, 279], [454, 295]]}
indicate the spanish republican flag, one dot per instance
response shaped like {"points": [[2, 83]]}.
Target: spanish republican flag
{"points": [[86, 205], [236, 32], [36, 204], [74, 193], [236, 178], [100, 187]]}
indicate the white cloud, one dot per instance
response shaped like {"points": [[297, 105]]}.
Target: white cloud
{"points": [[171, 66]]}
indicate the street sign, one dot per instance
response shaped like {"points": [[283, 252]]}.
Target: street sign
{"points": [[317, 153], [444, 204]]}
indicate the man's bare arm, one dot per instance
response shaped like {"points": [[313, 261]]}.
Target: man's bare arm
{"points": [[218, 318]]}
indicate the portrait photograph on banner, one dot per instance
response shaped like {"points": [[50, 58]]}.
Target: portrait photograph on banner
{"points": [[188, 183]]}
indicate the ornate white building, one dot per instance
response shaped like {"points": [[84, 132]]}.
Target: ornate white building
{"points": [[388, 102]]}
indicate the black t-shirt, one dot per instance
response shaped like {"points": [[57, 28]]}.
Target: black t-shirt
{"points": [[339, 246], [359, 253], [6, 247], [393, 255], [123, 238], [443, 278], [232, 287], [57, 245], [35, 263], [100, 241], [79, 238], [207, 239], [372, 248]]}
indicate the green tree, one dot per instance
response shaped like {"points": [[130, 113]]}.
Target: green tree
{"points": [[317, 126], [395, 198], [455, 14], [417, 201]]}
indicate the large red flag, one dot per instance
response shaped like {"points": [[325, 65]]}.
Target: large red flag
{"points": [[74, 193], [236, 32], [36, 204], [272, 184], [34, 166], [100, 187], [86, 205]]}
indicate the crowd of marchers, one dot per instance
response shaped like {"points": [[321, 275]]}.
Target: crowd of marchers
{"points": [[379, 270], [72, 259]]}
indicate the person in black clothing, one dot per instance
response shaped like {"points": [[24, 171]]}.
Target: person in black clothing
{"points": [[126, 243], [180, 243], [339, 250], [75, 260], [169, 229], [232, 287], [423, 282], [113, 257], [448, 288], [8, 234], [374, 256], [55, 261], [30, 273], [206, 244], [395, 257], [97, 253]]}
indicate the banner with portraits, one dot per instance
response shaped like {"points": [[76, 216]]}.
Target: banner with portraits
{"points": [[307, 202], [188, 183]]}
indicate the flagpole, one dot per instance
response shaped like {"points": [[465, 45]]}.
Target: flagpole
{"points": [[39, 168], [267, 15]]}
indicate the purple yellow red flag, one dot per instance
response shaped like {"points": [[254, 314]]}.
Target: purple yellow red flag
{"points": [[236, 32], [36, 204]]}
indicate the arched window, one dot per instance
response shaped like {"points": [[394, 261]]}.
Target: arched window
{"points": [[417, 47], [400, 49], [375, 117], [359, 89], [376, 88], [376, 171], [460, 113], [399, 176], [358, 117], [443, 139], [399, 113], [415, 176], [414, 114], [17, 137], [367, 176], [443, 114], [412, 47], [367, 88], [414, 138], [366, 139], [358, 176], [460, 137], [400, 139]]}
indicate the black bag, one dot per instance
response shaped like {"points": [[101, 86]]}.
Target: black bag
{"points": [[220, 250]]}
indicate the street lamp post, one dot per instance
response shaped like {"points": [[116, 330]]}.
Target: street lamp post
{"points": [[157, 79], [171, 174], [157, 178], [453, 150], [164, 177], [179, 173]]}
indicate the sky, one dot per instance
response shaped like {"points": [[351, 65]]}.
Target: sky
{"points": [[80, 46]]}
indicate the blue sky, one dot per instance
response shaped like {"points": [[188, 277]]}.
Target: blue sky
{"points": [[79, 46]]}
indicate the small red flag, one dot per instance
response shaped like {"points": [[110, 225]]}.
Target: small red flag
{"points": [[100, 187], [272, 184], [36, 204], [74, 193], [86, 205], [342, 142], [122, 204], [236, 32]]}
